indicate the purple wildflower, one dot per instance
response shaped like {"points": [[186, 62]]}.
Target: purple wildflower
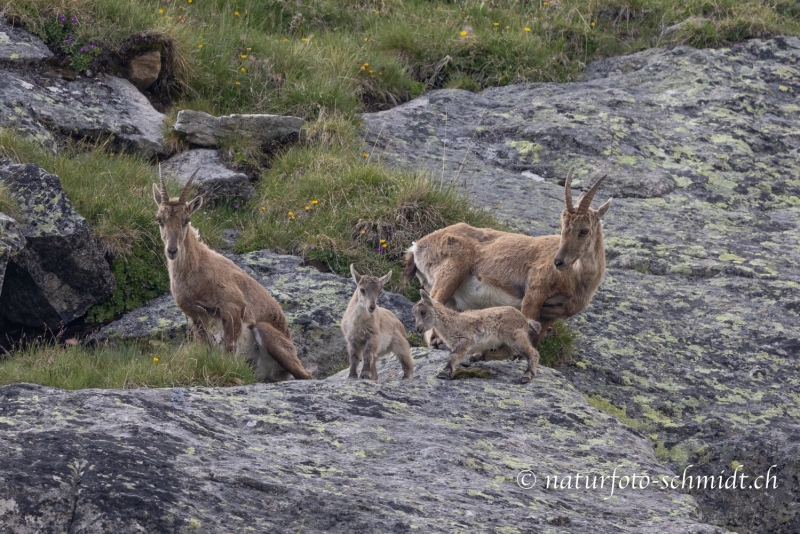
{"points": [[74, 19], [236, 206], [91, 46], [62, 18], [379, 250], [313, 247], [569, 16], [144, 285], [84, 49]]}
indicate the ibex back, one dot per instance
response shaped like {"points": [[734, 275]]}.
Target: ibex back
{"points": [[546, 277], [223, 304]]}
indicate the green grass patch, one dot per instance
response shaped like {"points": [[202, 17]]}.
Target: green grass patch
{"points": [[8, 204], [125, 366], [305, 57], [556, 348], [324, 200]]}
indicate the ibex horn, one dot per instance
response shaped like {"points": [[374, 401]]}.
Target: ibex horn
{"points": [[164, 194], [587, 200], [188, 186], [568, 193]]}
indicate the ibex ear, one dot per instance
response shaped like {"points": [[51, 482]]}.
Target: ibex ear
{"points": [[424, 295], [157, 195], [356, 276], [604, 208], [195, 204], [385, 278]]}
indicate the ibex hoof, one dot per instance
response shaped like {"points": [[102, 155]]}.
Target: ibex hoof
{"points": [[444, 375], [525, 379]]}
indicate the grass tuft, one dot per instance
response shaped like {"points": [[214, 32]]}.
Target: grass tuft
{"points": [[124, 366]]}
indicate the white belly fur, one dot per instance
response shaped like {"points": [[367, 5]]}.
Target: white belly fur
{"points": [[475, 295]]}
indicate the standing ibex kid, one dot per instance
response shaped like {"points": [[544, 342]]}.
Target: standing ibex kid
{"points": [[223, 304], [478, 331], [372, 331]]}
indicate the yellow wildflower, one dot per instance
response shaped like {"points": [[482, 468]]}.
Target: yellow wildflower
{"points": [[291, 214], [366, 39], [308, 208], [507, 27], [377, 12], [527, 29], [380, 74], [96, 198], [366, 64], [314, 202], [370, 71], [363, 67], [155, 360], [243, 56], [304, 39], [285, 41], [263, 208], [365, 155], [160, 11], [383, 241], [111, 155], [235, 13], [545, 4], [238, 83], [243, 69], [496, 23], [593, 23], [363, 232], [463, 33], [248, 48], [200, 46]]}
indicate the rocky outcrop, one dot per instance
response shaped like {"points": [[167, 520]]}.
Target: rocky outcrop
{"points": [[60, 273], [203, 129], [693, 337], [214, 181], [328, 456], [313, 302], [42, 105], [11, 242], [20, 47]]}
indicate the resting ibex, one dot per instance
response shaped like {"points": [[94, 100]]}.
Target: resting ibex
{"points": [[547, 277], [223, 304], [373, 331], [478, 331]]}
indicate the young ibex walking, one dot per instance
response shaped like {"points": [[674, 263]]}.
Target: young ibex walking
{"points": [[223, 304], [547, 277], [478, 331], [373, 331]]}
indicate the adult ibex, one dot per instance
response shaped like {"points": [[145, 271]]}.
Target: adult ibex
{"points": [[547, 277], [223, 304]]}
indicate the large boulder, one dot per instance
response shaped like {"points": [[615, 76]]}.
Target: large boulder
{"points": [[41, 104], [693, 337], [203, 129], [313, 302], [11, 242], [331, 456], [214, 180], [60, 273], [20, 47]]}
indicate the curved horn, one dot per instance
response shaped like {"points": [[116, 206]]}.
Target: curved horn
{"points": [[568, 192], [587, 200], [188, 186], [164, 194]]}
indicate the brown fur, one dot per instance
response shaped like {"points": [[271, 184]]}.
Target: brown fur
{"points": [[547, 277], [372, 331], [213, 291], [478, 331]]}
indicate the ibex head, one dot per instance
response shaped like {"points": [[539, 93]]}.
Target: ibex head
{"points": [[174, 214], [424, 313], [580, 225], [368, 288]]}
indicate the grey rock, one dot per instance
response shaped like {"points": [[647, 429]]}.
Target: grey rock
{"points": [[143, 70], [20, 47], [11, 242], [44, 108], [313, 302], [328, 456], [694, 333], [60, 273], [214, 180], [207, 130]]}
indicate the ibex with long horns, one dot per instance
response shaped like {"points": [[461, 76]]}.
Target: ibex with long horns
{"points": [[223, 304], [547, 277]]}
